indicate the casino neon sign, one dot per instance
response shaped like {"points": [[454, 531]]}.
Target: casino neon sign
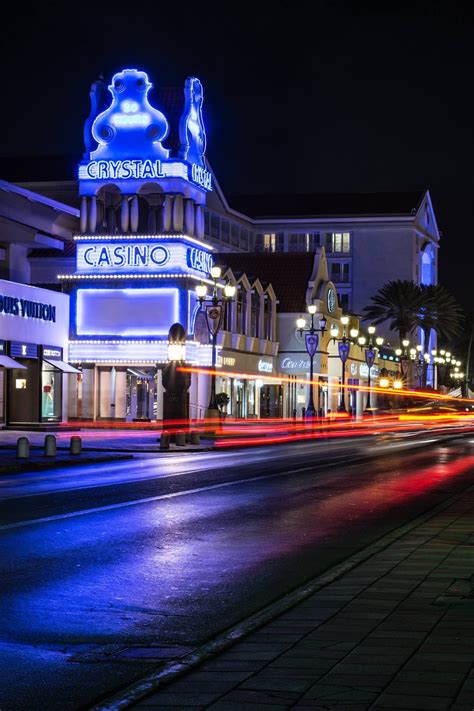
{"points": [[141, 256], [125, 255]]}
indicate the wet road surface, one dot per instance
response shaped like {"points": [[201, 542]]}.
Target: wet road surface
{"points": [[171, 551]]}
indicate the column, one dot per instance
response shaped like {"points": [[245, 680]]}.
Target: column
{"points": [[124, 214], [159, 394], [105, 393], [167, 212], [71, 386], [134, 214], [178, 213], [189, 217], [120, 393], [93, 214], [199, 221], [87, 410], [83, 220]]}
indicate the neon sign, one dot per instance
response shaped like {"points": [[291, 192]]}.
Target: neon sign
{"points": [[201, 176], [130, 123], [125, 255], [264, 366], [129, 135], [143, 256], [200, 260]]}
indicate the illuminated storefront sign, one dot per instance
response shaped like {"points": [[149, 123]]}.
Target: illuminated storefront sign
{"points": [[300, 365], [116, 257], [264, 366], [225, 360], [27, 309]]}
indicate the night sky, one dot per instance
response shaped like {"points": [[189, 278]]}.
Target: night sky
{"points": [[300, 97]]}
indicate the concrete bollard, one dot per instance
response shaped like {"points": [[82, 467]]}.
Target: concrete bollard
{"points": [[23, 448], [75, 445], [180, 439], [195, 438], [165, 440], [50, 446]]}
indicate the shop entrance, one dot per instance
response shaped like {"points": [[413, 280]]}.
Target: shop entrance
{"points": [[141, 395], [23, 393], [271, 401]]}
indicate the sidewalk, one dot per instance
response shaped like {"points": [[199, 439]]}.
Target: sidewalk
{"points": [[394, 629]]}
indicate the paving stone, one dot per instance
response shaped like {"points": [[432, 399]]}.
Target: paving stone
{"points": [[443, 690], [273, 683], [169, 698], [432, 703], [282, 698]]}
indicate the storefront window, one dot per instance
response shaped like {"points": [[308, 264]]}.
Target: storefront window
{"points": [[51, 387]]}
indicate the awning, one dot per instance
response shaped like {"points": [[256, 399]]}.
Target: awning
{"points": [[61, 365], [8, 362]]}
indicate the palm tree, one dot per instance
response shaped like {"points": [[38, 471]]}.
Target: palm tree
{"points": [[438, 311], [396, 302]]}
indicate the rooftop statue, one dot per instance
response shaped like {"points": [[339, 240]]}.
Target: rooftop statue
{"points": [[130, 127], [192, 135]]}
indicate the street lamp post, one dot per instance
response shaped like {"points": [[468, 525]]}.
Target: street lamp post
{"points": [[369, 360], [214, 308], [344, 345], [311, 342]]}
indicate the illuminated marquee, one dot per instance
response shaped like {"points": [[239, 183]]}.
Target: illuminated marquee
{"points": [[135, 169], [201, 176], [117, 257], [199, 259], [125, 255]]}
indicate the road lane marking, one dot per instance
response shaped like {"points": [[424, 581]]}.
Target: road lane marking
{"points": [[149, 499], [187, 492]]}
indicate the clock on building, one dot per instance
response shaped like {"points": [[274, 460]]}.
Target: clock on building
{"points": [[331, 300]]}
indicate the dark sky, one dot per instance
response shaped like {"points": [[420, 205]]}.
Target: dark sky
{"points": [[299, 97]]}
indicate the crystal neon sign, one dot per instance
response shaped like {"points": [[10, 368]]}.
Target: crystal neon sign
{"points": [[135, 169]]}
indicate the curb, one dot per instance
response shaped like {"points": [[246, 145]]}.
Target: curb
{"points": [[151, 683]]}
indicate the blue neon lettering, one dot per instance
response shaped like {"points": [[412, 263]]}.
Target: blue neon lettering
{"points": [[86, 256], [126, 169], [141, 256], [91, 169], [103, 257], [147, 170], [159, 256], [119, 260]]}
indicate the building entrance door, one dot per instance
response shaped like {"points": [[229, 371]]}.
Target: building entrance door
{"points": [[141, 395]]}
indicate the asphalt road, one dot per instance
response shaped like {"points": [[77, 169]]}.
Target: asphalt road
{"points": [[102, 562]]}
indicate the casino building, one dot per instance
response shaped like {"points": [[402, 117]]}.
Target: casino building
{"points": [[139, 256], [151, 220]]}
